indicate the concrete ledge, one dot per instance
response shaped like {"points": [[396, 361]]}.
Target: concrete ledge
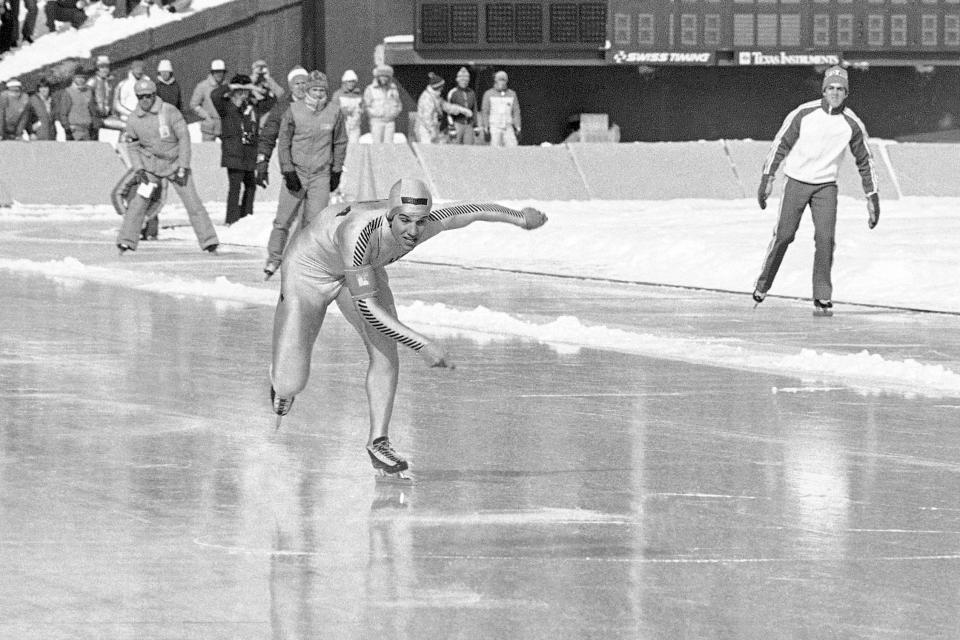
{"points": [[60, 173], [386, 163], [748, 157], [926, 169], [456, 172], [656, 170]]}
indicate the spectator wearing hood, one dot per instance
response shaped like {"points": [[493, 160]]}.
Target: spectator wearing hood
{"points": [[13, 102], [39, 117], [351, 104], [168, 89], [158, 144], [201, 104], [75, 107], [240, 110], [381, 99], [104, 93], [311, 147], [125, 99], [464, 127], [432, 110], [501, 113]]}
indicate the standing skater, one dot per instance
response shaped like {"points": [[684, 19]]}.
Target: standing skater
{"points": [[350, 245], [159, 146], [814, 138]]}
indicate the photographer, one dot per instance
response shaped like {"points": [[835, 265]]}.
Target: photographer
{"points": [[270, 88], [240, 104]]}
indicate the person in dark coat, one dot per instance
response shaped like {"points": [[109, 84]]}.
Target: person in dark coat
{"points": [[168, 89], [240, 105], [39, 116]]}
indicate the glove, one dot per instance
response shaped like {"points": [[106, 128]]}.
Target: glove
{"points": [[532, 218], [436, 356], [873, 208], [765, 189], [292, 180], [262, 174], [181, 176], [141, 175], [335, 180]]}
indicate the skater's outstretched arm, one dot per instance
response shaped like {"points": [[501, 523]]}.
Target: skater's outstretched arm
{"points": [[361, 280], [457, 216]]}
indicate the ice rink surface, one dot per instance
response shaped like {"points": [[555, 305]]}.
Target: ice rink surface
{"points": [[559, 492]]}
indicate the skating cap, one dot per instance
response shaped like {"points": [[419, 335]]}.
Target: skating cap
{"points": [[410, 196], [218, 65], [349, 75], [164, 65], [836, 75], [144, 86]]}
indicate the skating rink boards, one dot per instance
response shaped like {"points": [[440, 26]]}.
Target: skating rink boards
{"points": [[560, 492]]}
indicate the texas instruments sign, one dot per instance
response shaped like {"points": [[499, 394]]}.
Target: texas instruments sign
{"points": [[760, 58], [661, 57]]}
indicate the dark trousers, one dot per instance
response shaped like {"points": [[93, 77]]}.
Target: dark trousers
{"points": [[30, 21], [822, 199], [236, 207], [9, 24], [56, 13]]}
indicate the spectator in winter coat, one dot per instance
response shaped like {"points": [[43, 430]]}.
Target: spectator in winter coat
{"points": [[311, 147], [168, 89], [381, 99], [464, 127], [501, 113], [75, 108], [158, 144], [432, 110], [125, 99], [351, 104], [240, 110], [13, 102], [201, 104], [38, 118], [65, 11], [103, 90]]}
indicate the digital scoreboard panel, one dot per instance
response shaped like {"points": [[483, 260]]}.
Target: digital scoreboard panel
{"points": [[778, 32], [693, 32]]}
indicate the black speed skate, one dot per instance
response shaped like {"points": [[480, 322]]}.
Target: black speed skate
{"points": [[758, 297], [281, 406], [388, 463], [822, 308]]}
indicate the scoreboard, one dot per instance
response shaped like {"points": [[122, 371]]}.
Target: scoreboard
{"points": [[771, 32], [695, 32]]}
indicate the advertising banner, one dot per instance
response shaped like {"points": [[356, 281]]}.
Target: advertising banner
{"points": [[783, 58]]}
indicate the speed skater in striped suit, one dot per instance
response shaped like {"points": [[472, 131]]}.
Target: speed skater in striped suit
{"points": [[341, 258]]}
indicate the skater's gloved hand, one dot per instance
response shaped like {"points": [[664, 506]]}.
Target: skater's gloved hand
{"points": [[533, 218], [765, 189], [141, 175], [262, 174], [181, 176], [292, 180], [436, 356], [873, 208], [335, 180]]}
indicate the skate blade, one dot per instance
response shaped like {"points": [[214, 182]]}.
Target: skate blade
{"points": [[822, 314], [277, 427], [400, 477]]}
